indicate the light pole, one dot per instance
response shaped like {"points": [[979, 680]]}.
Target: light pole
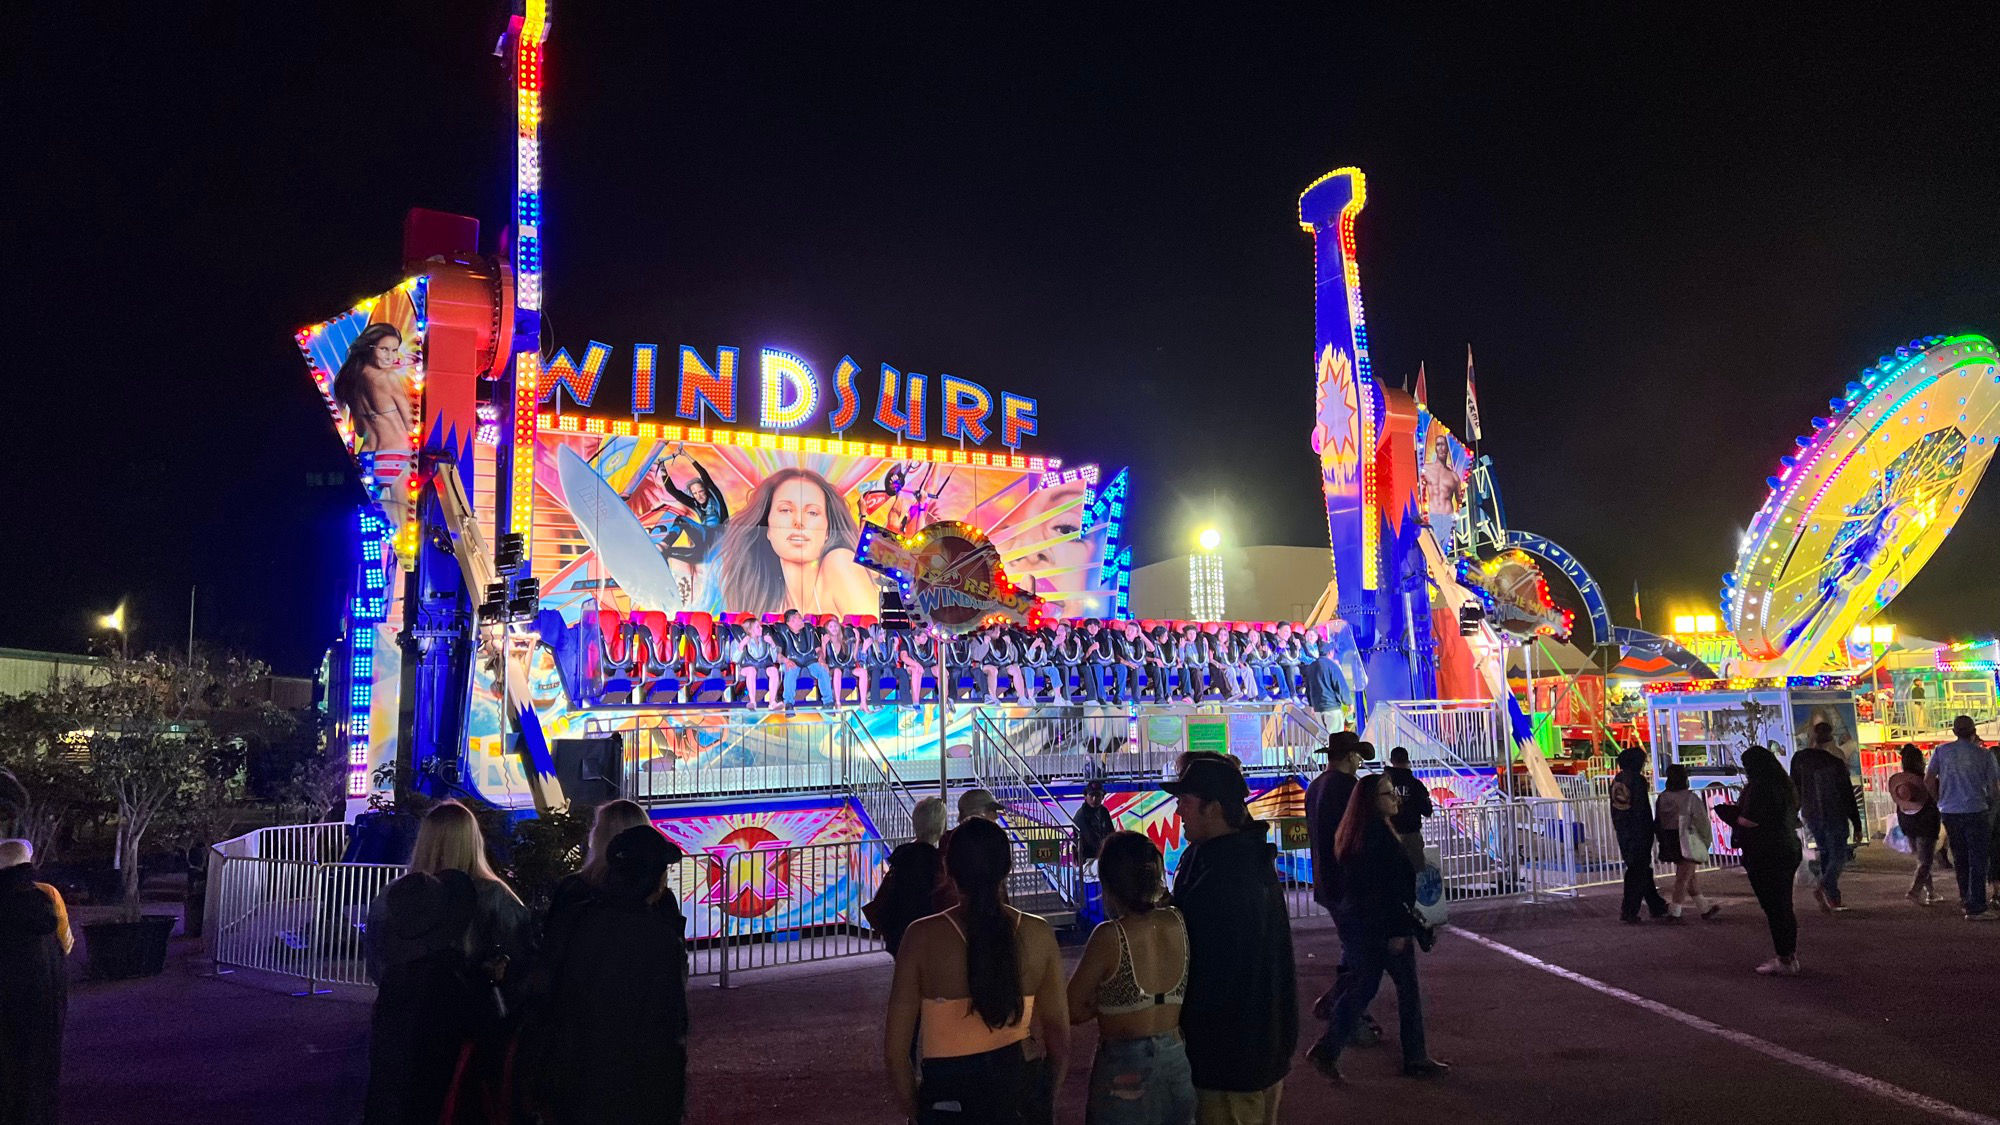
{"points": [[1205, 594], [115, 622]]}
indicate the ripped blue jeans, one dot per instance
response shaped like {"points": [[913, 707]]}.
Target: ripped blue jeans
{"points": [[1141, 1082]]}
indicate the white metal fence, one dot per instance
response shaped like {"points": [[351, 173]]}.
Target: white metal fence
{"points": [[282, 903]]}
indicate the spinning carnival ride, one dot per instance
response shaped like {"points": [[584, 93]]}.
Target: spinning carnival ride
{"points": [[1863, 503]]}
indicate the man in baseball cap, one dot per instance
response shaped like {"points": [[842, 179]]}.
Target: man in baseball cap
{"points": [[1241, 1016]]}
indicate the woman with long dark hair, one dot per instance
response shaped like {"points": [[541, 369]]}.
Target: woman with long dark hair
{"points": [[1132, 980], [1765, 823], [372, 386], [982, 976], [793, 548], [1377, 905], [1917, 815]]}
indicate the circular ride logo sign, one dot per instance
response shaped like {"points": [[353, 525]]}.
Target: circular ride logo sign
{"points": [[950, 576]]}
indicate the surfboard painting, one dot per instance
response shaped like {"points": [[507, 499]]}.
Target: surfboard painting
{"points": [[621, 543]]}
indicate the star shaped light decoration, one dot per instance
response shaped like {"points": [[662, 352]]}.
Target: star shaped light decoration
{"points": [[1337, 437]]}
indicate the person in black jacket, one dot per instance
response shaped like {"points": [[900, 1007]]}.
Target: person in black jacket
{"points": [[1378, 895], [1241, 1014], [1415, 797], [1827, 805], [1632, 822], [425, 1010], [609, 1043], [1764, 826], [34, 993], [799, 648], [1093, 822]]}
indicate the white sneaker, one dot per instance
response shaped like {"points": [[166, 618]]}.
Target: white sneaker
{"points": [[1779, 967]]}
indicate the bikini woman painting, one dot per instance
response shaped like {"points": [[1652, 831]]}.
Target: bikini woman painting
{"points": [[373, 386]]}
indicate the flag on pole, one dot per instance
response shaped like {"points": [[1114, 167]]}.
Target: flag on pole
{"points": [[1471, 397], [1637, 616], [1423, 397]]}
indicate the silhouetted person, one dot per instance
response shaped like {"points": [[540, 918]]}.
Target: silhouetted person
{"points": [[34, 992]]}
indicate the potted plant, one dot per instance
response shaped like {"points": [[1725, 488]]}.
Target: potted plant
{"points": [[164, 749]]}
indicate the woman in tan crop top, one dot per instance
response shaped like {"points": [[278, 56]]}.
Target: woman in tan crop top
{"points": [[1131, 980], [980, 977]]}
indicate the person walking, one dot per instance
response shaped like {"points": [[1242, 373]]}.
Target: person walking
{"points": [[1965, 779], [34, 990], [909, 886], [1764, 823], [1326, 804], [1378, 897], [1917, 816], [1414, 799], [609, 1041], [1132, 979], [1632, 822], [1682, 824], [977, 979], [1240, 1015], [1828, 807]]}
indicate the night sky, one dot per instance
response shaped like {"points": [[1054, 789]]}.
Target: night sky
{"points": [[1669, 239]]}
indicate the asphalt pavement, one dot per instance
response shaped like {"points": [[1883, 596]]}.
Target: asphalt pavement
{"points": [[1561, 1013]]}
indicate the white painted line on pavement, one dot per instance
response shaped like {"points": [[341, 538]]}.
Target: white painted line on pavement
{"points": [[1824, 1069]]}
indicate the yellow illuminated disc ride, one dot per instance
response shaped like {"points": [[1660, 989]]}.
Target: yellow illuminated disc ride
{"points": [[1858, 508]]}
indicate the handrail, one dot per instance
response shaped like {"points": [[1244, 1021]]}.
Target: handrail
{"points": [[883, 794], [1390, 724]]}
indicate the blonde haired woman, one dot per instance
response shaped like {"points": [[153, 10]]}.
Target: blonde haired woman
{"points": [[429, 934], [449, 840], [612, 818]]}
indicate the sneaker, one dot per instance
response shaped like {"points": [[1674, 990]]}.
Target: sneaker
{"points": [[1327, 1063], [1426, 1068], [1365, 1036], [1714, 908], [1779, 967], [1982, 916]]}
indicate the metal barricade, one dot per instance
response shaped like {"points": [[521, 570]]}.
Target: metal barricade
{"points": [[280, 902]]}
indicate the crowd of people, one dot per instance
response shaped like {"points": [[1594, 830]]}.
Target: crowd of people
{"points": [[1955, 795], [484, 1012], [1101, 663], [1193, 991], [487, 1011]]}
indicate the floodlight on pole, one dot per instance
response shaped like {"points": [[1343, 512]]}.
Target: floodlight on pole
{"points": [[1205, 578]]}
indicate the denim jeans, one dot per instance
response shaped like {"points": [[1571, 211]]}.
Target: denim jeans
{"points": [[1368, 959], [1141, 1082], [1830, 841], [819, 675], [1971, 837]]}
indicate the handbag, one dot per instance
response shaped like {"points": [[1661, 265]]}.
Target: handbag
{"points": [[1693, 847]]}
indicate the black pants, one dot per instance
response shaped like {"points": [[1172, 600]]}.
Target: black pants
{"points": [[993, 1087], [1639, 885], [1771, 880], [871, 681]]}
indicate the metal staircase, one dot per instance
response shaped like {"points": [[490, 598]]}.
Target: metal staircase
{"points": [[873, 783], [1047, 877]]}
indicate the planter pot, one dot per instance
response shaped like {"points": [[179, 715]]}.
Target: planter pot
{"points": [[128, 949]]}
